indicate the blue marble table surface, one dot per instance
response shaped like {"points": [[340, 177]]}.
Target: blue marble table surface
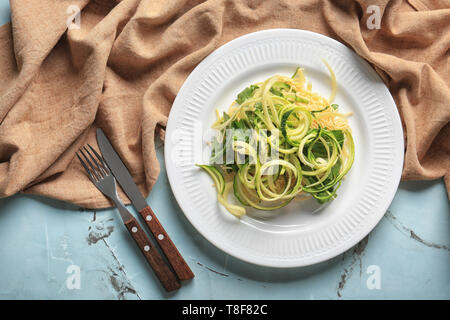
{"points": [[53, 250]]}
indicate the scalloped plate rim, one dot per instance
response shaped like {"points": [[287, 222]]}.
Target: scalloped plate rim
{"points": [[314, 258]]}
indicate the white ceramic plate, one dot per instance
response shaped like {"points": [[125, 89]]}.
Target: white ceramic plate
{"points": [[302, 233]]}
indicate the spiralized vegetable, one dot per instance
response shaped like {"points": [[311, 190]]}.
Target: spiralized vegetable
{"points": [[279, 140]]}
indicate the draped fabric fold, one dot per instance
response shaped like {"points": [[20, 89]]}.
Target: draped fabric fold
{"points": [[121, 67]]}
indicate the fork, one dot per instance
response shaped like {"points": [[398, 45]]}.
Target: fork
{"points": [[101, 176]]}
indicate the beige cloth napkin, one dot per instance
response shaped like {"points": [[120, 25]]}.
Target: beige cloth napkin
{"points": [[123, 68]]}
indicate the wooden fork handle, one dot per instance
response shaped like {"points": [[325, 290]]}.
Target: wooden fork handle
{"points": [[166, 276], [174, 257]]}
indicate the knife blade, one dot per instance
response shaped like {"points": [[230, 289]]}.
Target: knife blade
{"points": [[120, 171], [122, 175]]}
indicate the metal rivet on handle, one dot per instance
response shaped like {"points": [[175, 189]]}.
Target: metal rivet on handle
{"points": [[134, 229], [160, 236], [146, 248], [148, 218]]}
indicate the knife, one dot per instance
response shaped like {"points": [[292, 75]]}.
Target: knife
{"points": [[125, 180]]}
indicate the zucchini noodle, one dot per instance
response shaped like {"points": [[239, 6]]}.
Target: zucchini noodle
{"points": [[286, 142]]}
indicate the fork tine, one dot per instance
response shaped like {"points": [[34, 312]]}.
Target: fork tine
{"points": [[100, 158], [93, 170], [85, 167], [98, 167]]}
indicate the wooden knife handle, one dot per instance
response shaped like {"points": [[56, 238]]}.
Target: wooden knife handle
{"points": [[174, 257], [167, 278]]}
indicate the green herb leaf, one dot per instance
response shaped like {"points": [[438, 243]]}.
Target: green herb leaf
{"points": [[238, 124], [339, 135], [276, 92], [246, 94]]}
